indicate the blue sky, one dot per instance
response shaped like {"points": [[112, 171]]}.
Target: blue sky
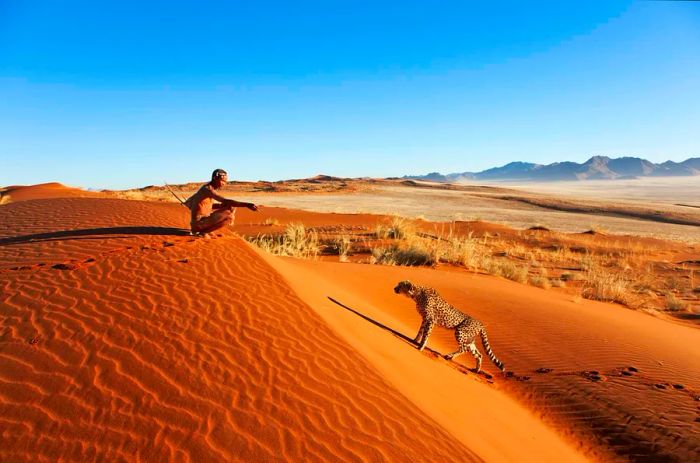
{"points": [[116, 95]]}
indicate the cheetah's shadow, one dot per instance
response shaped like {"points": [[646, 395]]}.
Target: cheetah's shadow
{"points": [[428, 351]]}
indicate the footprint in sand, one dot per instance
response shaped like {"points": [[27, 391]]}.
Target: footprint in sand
{"points": [[544, 370], [592, 375], [64, 266]]}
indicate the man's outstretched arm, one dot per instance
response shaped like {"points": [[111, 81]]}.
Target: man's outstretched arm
{"points": [[233, 203], [225, 202]]}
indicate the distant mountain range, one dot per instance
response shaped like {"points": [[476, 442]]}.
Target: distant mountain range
{"points": [[596, 168]]}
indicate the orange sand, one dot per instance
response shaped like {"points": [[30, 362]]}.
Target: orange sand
{"points": [[44, 191], [125, 339]]}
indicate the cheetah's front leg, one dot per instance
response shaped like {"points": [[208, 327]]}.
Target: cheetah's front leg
{"points": [[421, 332], [429, 325]]}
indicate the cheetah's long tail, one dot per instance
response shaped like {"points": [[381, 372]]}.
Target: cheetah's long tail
{"points": [[489, 352]]}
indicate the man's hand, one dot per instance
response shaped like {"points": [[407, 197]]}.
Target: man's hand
{"points": [[252, 207]]}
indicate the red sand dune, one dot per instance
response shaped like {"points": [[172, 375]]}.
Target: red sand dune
{"points": [[189, 350], [134, 341], [44, 191]]}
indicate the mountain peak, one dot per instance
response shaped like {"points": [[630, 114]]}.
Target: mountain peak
{"points": [[597, 167]]}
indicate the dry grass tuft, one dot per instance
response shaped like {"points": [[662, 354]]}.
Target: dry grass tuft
{"points": [[270, 221], [398, 229], [464, 250], [506, 269], [397, 256], [673, 304], [296, 242], [558, 283], [541, 280], [603, 285], [343, 244]]}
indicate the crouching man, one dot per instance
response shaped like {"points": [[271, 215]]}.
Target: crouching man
{"points": [[207, 216]]}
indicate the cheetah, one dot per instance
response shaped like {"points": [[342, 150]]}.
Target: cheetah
{"points": [[435, 310]]}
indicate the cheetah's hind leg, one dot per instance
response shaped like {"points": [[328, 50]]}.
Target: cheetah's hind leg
{"points": [[471, 348], [477, 355], [454, 354]]}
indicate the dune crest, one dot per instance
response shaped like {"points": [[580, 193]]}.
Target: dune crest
{"points": [[49, 190]]}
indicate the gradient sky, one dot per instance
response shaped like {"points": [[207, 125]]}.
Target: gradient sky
{"points": [[128, 94]]}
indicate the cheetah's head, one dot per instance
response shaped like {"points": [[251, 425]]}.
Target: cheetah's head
{"points": [[404, 287]]}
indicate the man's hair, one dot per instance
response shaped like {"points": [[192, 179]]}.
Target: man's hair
{"points": [[218, 173]]}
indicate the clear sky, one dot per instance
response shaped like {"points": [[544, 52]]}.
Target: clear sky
{"points": [[126, 94]]}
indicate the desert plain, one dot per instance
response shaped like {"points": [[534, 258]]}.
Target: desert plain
{"points": [[123, 338]]}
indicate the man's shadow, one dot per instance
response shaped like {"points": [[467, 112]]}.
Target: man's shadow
{"points": [[93, 233]]}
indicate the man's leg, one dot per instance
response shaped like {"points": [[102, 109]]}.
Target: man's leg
{"points": [[218, 219]]}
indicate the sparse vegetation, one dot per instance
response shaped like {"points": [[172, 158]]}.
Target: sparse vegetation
{"points": [[394, 255], [541, 280], [603, 285], [343, 244], [558, 283], [507, 269], [398, 229], [674, 304], [296, 242], [599, 268], [270, 221]]}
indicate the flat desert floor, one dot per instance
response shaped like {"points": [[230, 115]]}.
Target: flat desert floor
{"points": [[663, 207], [124, 338]]}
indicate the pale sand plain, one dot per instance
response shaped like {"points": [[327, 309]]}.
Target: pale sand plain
{"points": [[669, 195]]}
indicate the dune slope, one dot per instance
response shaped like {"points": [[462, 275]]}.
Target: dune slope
{"points": [[189, 350], [624, 382]]}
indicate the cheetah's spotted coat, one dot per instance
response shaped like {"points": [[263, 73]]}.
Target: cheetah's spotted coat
{"points": [[435, 310]]}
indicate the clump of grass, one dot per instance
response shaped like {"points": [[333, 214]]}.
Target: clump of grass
{"points": [[343, 244], [541, 280], [398, 229], [603, 285], [673, 304], [396, 256], [296, 242], [506, 269], [270, 221], [568, 276], [464, 250], [674, 284], [558, 283]]}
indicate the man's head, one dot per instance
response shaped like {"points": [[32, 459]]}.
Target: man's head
{"points": [[219, 178]]}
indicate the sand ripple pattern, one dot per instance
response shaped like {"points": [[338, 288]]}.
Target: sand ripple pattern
{"points": [[194, 352], [46, 231]]}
